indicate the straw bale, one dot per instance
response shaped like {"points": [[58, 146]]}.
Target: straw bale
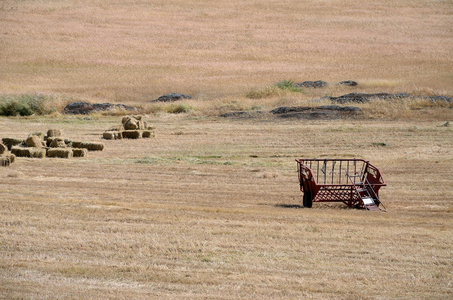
{"points": [[112, 135], [57, 143], [88, 146], [76, 152], [3, 148], [59, 152], [148, 134], [131, 124], [28, 152], [77, 144], [38, 134], [132, 134], [12, 158], [93, 146], [37, 152], [33, 141], [21, 151], [5, 161], [49, 141], [108, 135], [10, 142], [53, 133]]}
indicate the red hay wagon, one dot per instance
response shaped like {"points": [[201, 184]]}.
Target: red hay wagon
{"points": [[355, 182]]}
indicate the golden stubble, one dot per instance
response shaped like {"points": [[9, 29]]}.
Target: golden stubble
{"points": [[209, 208], [137, 50]]}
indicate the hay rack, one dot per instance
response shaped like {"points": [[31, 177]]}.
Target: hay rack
{"points": [[355, 182]]}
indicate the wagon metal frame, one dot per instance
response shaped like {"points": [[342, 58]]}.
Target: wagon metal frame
{"points": [[355, 182]]}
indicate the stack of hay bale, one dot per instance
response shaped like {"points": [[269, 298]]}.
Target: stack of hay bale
{"points": [[38, 145], [58, 146], [6, 158], [33, 146], [132, 127]]}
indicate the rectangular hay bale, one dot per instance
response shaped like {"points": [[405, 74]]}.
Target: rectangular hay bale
{"points": [[3, 148], [88, 146], [76, 144], [20, 151], [50, 140], [148, 133], [5, 161], [29, 152], [93, 146], [112, 135], [132, 134], [37, 152], [108, 135], [53, 133], [59, 152], [11, 142], [76, 152]]}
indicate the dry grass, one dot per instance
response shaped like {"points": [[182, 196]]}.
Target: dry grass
{"points": [[209, 209], [135, 51]]}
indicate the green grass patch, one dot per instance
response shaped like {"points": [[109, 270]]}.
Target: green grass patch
{"points": [[287, 85], [25, 105], [179, 108]]}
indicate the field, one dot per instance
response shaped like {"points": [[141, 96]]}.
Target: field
{"points": [[210, 208]]}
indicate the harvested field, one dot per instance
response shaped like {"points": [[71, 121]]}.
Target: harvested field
{"points": [[210, 208]]}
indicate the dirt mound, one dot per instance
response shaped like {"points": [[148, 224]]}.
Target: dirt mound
{"points": [[311, 84], [84, 108], [172, 97], [441, 98], [320, 112], [363, 98], [320, 84]]}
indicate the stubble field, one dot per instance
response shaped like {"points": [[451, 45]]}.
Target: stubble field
{"points": [[210, 207]]}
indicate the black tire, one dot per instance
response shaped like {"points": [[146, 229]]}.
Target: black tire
{"points": [[307, 200]]}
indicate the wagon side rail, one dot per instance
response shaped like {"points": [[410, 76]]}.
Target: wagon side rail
{"points": [[373, 175]]}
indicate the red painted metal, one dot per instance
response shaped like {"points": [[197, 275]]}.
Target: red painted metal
{"points": [[336, 180]]}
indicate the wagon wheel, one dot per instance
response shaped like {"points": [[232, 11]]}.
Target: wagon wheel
{"points": [[307, 202]]}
